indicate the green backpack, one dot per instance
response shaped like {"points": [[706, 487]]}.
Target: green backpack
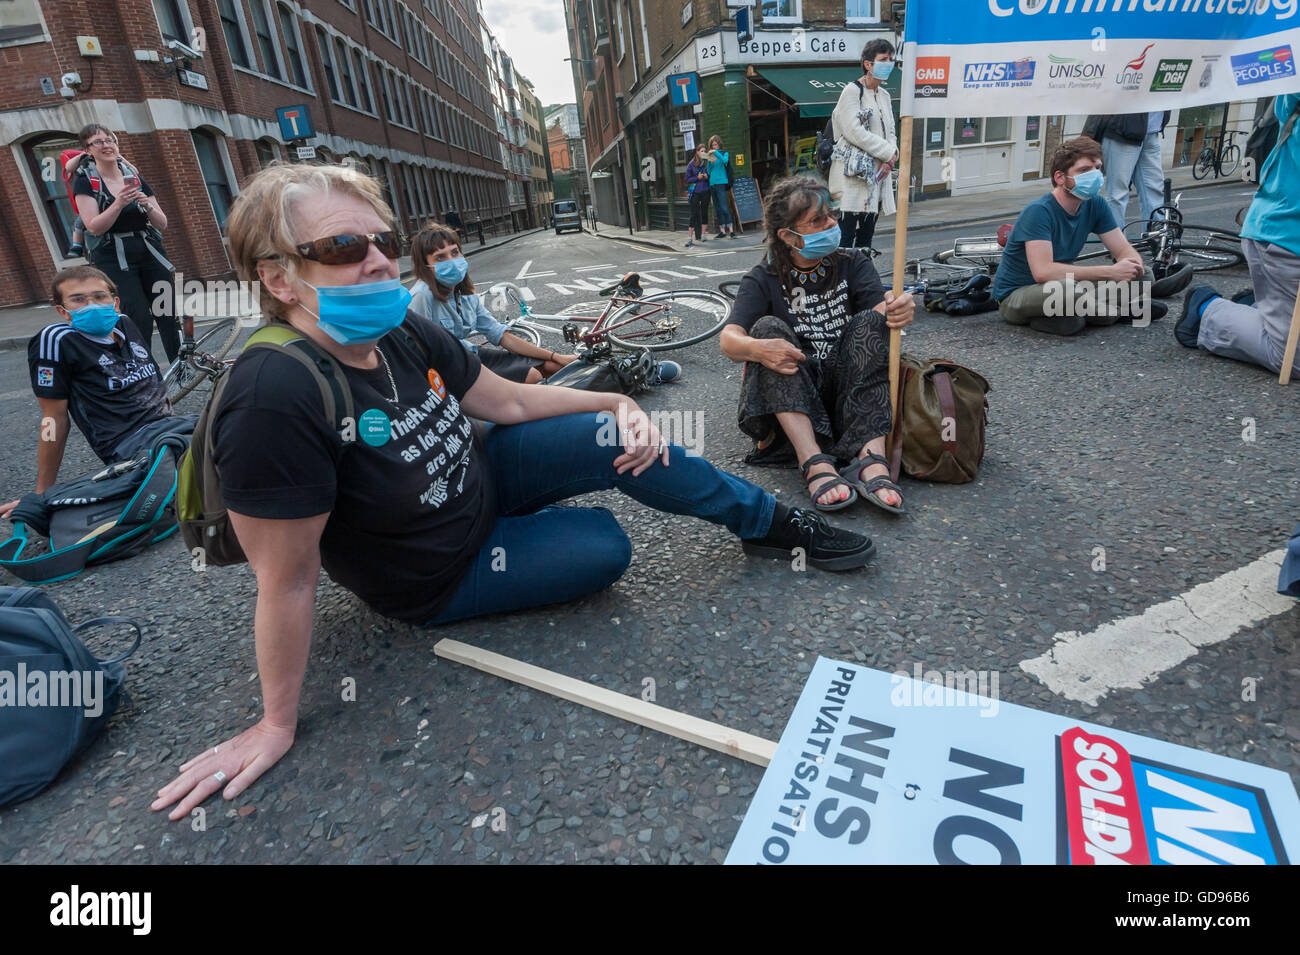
{"points": [[205, 525]]}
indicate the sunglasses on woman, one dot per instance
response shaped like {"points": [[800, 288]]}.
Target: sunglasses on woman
{"points": [[350, 248]]}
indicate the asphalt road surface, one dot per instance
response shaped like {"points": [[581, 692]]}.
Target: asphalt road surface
{"points": [[1181, 466]]}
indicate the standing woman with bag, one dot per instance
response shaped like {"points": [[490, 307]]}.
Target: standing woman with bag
{"points": [[866, 148], [697, 190], [124, 224], [719, 185]]}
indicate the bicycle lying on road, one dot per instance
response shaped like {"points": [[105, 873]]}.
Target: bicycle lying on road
{"points": [[200, 360], [633, 320]]}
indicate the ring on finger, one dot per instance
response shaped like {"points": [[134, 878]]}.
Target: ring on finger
{"points": [[219, 776], [214, 750]]}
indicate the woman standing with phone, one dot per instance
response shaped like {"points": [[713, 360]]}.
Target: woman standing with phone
{"points": [[124, 222], [866, 148], [719, 183]]}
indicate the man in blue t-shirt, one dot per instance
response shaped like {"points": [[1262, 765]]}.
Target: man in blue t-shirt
{"points": [[1037, 283], [1270, 238]]}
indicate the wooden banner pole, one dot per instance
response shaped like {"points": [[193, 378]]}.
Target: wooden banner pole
{"points": [[900, 247], [1292, 339], [753, 749]]}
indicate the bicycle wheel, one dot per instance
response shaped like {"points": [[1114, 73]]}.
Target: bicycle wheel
{"points": [[1204, 163], [527, 333], [182, 376], [1230, 160], [668, 320], [1207, 255], [729, 288]]}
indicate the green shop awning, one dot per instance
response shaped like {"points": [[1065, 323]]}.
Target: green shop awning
{"points": [[814, 89]]}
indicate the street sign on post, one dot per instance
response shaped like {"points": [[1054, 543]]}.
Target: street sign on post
{"points": [[684, 88], [744, 25], [685, 125], [295, 122], [306, 152]]}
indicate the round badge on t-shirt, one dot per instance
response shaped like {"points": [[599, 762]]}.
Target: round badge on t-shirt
{"points": [[374, 427]]}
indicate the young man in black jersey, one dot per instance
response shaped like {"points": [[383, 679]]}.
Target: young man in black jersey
{"points": [[94, 368]]}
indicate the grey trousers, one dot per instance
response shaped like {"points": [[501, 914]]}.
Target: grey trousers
{"points": [[1031, 304], [1256, 334]]}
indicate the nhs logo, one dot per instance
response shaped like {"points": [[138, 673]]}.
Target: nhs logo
{"points": [[1004, 74]]}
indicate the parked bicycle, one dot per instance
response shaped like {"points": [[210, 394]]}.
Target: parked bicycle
{"points": [[1220, 154], [200, 361], [631, 319]]}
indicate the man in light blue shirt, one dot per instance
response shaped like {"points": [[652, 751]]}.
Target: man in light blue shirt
{"points": [[1270, 238]]}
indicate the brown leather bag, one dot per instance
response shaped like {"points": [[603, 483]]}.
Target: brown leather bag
{"points": [[939, 430]]}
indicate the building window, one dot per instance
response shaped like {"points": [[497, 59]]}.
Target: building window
{"points": [[232, 26], [265, 40], [861, 11], [213, 166], [22, 23], [345, 72], [266, 152], [327, 62], [363, 81], [43, 154], [384, 93], [781, 10], [171, 21], [293, 46]]}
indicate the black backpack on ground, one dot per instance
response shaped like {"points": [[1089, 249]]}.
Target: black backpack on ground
{"points": [[41, 654]]}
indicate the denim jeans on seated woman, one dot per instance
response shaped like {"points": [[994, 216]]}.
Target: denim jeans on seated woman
{"points": [[539, 554]]}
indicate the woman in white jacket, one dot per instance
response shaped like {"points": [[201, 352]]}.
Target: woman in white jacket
{"points": [[866, 148]]}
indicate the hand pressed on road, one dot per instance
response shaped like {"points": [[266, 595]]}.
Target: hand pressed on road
{"points": [[242, 759]]}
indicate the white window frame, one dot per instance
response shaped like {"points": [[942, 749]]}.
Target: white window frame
{"points": [[796, 17], [273, 22], [223, 153], [181, 5], [618, 16], [346, 84], [297, 34], [361, 70], [247, 37], [862, 21], [645, 32]]}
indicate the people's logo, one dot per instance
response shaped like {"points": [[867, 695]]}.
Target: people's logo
{"points": [[932, 76], [139, 350], [1170, 76], [1069, 72], [1130, 78], [105, 361], [1263, 65], [1006, 74]]}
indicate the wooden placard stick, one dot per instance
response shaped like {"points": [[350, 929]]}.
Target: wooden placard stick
{"points": [[1292, 339], [900, 248], [753, 749]]}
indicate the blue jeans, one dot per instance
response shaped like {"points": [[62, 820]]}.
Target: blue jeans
{"points": [[538, 554], [720, 205], [1132, 164]]}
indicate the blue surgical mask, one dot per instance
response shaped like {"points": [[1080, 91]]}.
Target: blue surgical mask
{"points": [[818, 245], [94, 320], [360, 314], [1087, 184], [882, 71], [451, 271]]}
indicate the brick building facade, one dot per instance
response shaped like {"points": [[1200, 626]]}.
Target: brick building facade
{"points": [[399, 87]]}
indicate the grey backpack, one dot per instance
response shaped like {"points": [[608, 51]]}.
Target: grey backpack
{"points": [[55, 695]]}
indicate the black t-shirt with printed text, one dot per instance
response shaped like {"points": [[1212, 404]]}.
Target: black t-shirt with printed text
{"points": [[410, 503], [112, 386], [850, 285]]}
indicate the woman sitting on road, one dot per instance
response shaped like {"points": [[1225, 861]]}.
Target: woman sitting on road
{"points": [[812, 325], [445, 294], [413, 518]]}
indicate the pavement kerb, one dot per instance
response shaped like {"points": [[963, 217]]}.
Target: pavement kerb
{"points": [[19, 342], [1009, 215]]}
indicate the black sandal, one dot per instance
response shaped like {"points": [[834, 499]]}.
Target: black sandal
{"points": [[828, 484], [853, 473]]}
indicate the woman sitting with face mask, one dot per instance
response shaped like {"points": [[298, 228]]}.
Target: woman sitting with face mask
{"points": [[812, 326], [415, 516], [445, 294]]}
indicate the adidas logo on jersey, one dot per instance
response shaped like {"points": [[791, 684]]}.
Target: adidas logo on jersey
{"points": [[105, 360]]}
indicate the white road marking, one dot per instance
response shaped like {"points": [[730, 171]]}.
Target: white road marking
{"points": [[524, 270], [593, 268], [1131, 652], [662, 258]]}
